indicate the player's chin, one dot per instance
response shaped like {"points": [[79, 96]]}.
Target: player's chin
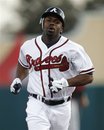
{"points": [[50, 33]]}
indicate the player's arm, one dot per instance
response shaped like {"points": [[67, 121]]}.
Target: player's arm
{"points": [[21, 73], [81, 79]]}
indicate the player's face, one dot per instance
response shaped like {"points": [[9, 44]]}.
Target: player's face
{"points": [[52, 26]]}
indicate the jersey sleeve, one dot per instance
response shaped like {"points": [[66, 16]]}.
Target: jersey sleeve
{"points": [[22, 58], [82, 61]]}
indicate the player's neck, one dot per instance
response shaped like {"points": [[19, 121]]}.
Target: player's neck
{"points": [[49, 41]]}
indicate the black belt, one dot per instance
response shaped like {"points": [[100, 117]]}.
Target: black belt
{"points": [[49, 101]]}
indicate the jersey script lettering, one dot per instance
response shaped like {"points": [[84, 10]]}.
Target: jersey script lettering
{"points": [[51, 62]]}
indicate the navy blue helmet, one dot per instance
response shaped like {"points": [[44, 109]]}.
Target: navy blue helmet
{"points": [[54, 11]]}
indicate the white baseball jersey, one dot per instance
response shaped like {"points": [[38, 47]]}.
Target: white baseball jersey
{"points": [[63, 59]]}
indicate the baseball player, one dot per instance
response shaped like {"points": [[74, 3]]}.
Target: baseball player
{"points": [[54, 66]]}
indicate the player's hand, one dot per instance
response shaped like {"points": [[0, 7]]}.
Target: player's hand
{"points": [[16, 86], [58, 85]]}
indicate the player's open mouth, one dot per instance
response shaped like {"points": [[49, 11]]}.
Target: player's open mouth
{"points": [[51, 29]]}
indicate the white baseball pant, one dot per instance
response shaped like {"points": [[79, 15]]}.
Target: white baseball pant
{"points": [[44, 117]]}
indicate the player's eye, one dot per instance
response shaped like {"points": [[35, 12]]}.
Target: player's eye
{"points": [[57, 22], [47, 19]]}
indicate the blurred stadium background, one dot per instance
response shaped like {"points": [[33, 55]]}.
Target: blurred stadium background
{"points": [[19, 21]]}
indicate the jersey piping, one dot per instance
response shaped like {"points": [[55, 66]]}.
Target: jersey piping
{"points": [[41, 69], [87, 71]]}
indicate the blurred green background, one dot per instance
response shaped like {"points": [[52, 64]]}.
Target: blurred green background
{"points": [[19, 21]]}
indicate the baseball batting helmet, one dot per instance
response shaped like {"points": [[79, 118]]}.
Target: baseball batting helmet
{"points": [[54, 11]]}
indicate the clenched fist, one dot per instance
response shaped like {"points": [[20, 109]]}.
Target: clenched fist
{"points": [[16, 86], [58, 85]]}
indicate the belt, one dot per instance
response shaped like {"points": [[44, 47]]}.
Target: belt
{"points": [[49, 101]]}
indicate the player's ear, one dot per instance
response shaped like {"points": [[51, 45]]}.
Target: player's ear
{"points": [[61, 30]]}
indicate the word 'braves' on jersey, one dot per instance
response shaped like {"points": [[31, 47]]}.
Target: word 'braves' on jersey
{"points": [[63, 59]]}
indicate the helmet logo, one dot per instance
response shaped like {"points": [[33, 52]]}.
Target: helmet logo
{"points": [[54, 10]]}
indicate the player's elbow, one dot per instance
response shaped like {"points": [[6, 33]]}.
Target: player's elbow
{"points": [[90, 79]]}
